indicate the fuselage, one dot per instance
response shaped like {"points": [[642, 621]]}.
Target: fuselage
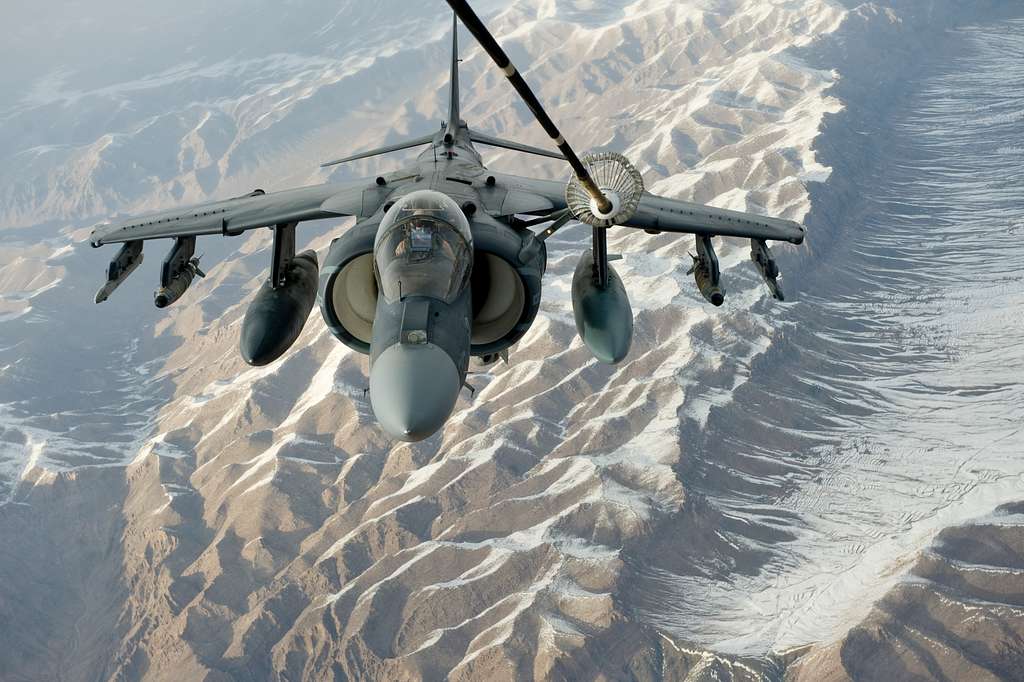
{"points": [[453, 277]]}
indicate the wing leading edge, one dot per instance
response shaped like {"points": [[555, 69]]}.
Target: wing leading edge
{"points": [[258, 209], [674, 215]]}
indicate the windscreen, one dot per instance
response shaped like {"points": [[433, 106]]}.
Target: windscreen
{"points": [[422, 256]]}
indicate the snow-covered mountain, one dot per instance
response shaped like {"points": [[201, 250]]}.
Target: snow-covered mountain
{"points": [[730, 501]]}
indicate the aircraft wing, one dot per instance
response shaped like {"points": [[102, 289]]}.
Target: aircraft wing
{"points": [[258, 209], [674, 215]]}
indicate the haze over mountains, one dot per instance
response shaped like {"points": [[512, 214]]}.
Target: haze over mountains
{"points": [[806, 490]]}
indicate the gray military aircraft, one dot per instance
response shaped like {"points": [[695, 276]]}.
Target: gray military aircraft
{"points": [[442, 264]]}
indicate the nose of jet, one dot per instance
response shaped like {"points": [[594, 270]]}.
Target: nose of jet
{"points": [[413, 389]]}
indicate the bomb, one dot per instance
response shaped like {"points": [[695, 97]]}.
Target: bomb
{"points": [[764, 260], [179, 268], [127, 260], [706, 272]]}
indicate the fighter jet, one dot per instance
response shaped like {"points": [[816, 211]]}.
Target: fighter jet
{"points": [[446, 258]]}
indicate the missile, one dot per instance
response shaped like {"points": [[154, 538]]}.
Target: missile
{"points": [[706, 273], [128, 258], [604, 318], [761, 255], [276, 316]]}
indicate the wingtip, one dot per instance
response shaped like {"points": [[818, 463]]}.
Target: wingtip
{"points": [[99, 232], [802, 233]]}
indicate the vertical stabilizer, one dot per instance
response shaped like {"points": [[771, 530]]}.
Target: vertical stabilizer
{"points": [[453, 102]]}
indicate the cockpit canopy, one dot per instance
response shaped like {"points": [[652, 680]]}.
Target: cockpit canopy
{"points": [[423, 248]]}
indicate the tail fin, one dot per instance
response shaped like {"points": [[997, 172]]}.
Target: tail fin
{"points": [[454, 115]]}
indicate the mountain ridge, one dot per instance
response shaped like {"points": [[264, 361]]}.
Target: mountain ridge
{"points": [[260, 525]]}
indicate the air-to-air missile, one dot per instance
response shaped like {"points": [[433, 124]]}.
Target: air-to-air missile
{"points": [[706, 273], [604, 318], [278, 313]]}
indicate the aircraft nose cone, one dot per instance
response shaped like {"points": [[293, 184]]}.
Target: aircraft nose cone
{"points": [[413, 389]]}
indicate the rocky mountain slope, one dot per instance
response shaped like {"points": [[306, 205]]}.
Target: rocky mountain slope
{"points": [[743, 487], [957, 614]]}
